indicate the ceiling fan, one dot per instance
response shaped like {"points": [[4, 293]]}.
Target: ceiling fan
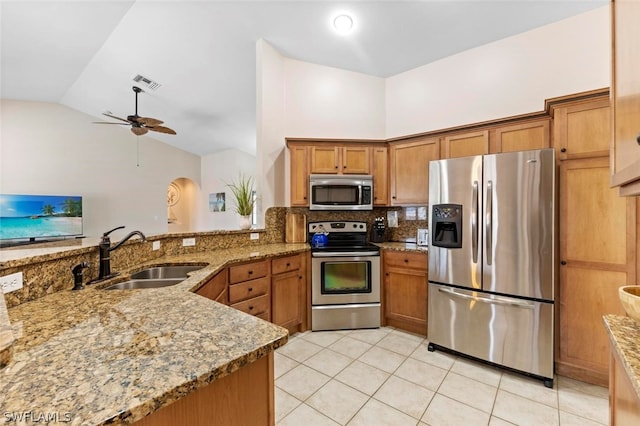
{"points": [[139, 125]]}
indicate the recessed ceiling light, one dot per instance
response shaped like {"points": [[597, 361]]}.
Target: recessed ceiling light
{"points": [[343, 23]]}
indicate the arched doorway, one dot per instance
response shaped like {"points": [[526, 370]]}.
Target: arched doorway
{"points": [[181, 205]]}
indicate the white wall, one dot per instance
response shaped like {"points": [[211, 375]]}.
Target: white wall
{"points": [[508, 77], [51, 149], [270, 130], [218, 170], [296, 98], [326, 102]]}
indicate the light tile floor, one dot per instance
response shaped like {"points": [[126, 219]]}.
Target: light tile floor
{"points": [[388, 377]]}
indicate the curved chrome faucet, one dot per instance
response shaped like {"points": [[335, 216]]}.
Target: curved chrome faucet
{"points": [[105, 250]]}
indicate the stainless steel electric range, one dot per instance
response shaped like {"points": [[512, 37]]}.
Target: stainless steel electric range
{"points": [[345, 277]]}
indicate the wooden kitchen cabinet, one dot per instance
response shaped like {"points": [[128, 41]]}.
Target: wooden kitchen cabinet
{"points": [[409, 169], [465, 144], [244, 397], [299, 178], [405, 290], [624, 404], [288, 292], [380, 172], [340, 159], [582, 128], [216, 288], [625, 148], [249, 288], [520, 136], [597, 250]]}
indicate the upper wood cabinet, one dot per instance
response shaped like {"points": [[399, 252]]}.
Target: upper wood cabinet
{"points": [[582, 128], [299, 179], [409, 170], [380, 172], [340, 160], [465, 144], [520, 136], [625, 149]]}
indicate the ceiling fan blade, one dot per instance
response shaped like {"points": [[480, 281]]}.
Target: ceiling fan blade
{"points": [[114, 117], [162, 129], [139, 131], [109, 122], [148, 121]]}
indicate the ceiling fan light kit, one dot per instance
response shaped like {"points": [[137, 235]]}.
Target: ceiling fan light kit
{"points": [[139, 125]]}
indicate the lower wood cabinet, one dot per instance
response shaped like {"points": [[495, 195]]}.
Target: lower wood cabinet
{"points": [[624, 404], [272, 289], [216, 288], [288, 292], [244, 397], [405, 290]]}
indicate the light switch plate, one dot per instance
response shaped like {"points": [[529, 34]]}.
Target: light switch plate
{"points": [[11, 282], [156, 245], [188, 242]]}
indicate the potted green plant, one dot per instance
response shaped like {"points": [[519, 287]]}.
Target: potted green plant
{"points": [[243, 194]]}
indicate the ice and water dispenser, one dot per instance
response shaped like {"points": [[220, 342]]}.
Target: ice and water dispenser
{"points": [[446, 224]]}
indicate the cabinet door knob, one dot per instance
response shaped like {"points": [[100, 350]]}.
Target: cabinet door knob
{"points": [[387, 274], [336, 167], [250, 272], [250, 289], [394, 197], [563, 150], [299, 277], [288, 264], [406, 261], [638, 139], [251, 308], [563, 262]]}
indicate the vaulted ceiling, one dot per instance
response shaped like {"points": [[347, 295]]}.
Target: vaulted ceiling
{"points": [[85, 53]]}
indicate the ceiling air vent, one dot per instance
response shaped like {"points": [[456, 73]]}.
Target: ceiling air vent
{"points": [[146, 83]]}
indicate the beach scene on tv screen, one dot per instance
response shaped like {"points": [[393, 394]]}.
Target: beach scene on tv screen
{"points": [[37, 216]]}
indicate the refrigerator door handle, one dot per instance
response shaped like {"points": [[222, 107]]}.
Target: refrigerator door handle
{"points": [[474, 223], [489, 221], [494, 301]]}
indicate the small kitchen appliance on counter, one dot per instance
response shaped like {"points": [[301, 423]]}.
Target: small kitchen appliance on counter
{"points": [[378, 231]]}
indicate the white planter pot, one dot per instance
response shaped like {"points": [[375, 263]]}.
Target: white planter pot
{"points": [[245, 222]]}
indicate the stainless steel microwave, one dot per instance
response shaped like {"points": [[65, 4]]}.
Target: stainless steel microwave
{"points": [[341, 192]]}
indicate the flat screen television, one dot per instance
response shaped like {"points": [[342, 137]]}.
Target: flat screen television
{"points": [[34, 218]]}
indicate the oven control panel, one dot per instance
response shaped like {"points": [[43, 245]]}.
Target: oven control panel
{"points": [[342, 226]]}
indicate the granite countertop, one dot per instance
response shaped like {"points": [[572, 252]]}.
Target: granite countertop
{"points": [[624, 334], [97, 357], [402, 246]]}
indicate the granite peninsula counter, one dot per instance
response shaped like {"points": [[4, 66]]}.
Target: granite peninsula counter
{"points": [[95, 357]]}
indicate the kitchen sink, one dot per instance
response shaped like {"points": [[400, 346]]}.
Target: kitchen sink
{"points": [[146, 283], [165, 272], [156, 277]]}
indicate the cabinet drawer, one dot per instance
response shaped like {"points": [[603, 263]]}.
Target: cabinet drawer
{"points": [[248, 271], [248, 289], [406, 260], [255, 306], [286, 264]]}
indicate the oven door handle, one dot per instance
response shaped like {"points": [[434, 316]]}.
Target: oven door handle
{"points": [[345, 254]]}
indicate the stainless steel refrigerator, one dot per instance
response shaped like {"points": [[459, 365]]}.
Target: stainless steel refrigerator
{"points": [[491, 259]]}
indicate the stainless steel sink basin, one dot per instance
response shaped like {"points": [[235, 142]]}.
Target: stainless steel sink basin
{"points": [[146, 283], [163, 272]]}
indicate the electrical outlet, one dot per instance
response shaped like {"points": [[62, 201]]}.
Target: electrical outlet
{"points": [[11, 282], [254, 236], [156, 245], [188, 242]]}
